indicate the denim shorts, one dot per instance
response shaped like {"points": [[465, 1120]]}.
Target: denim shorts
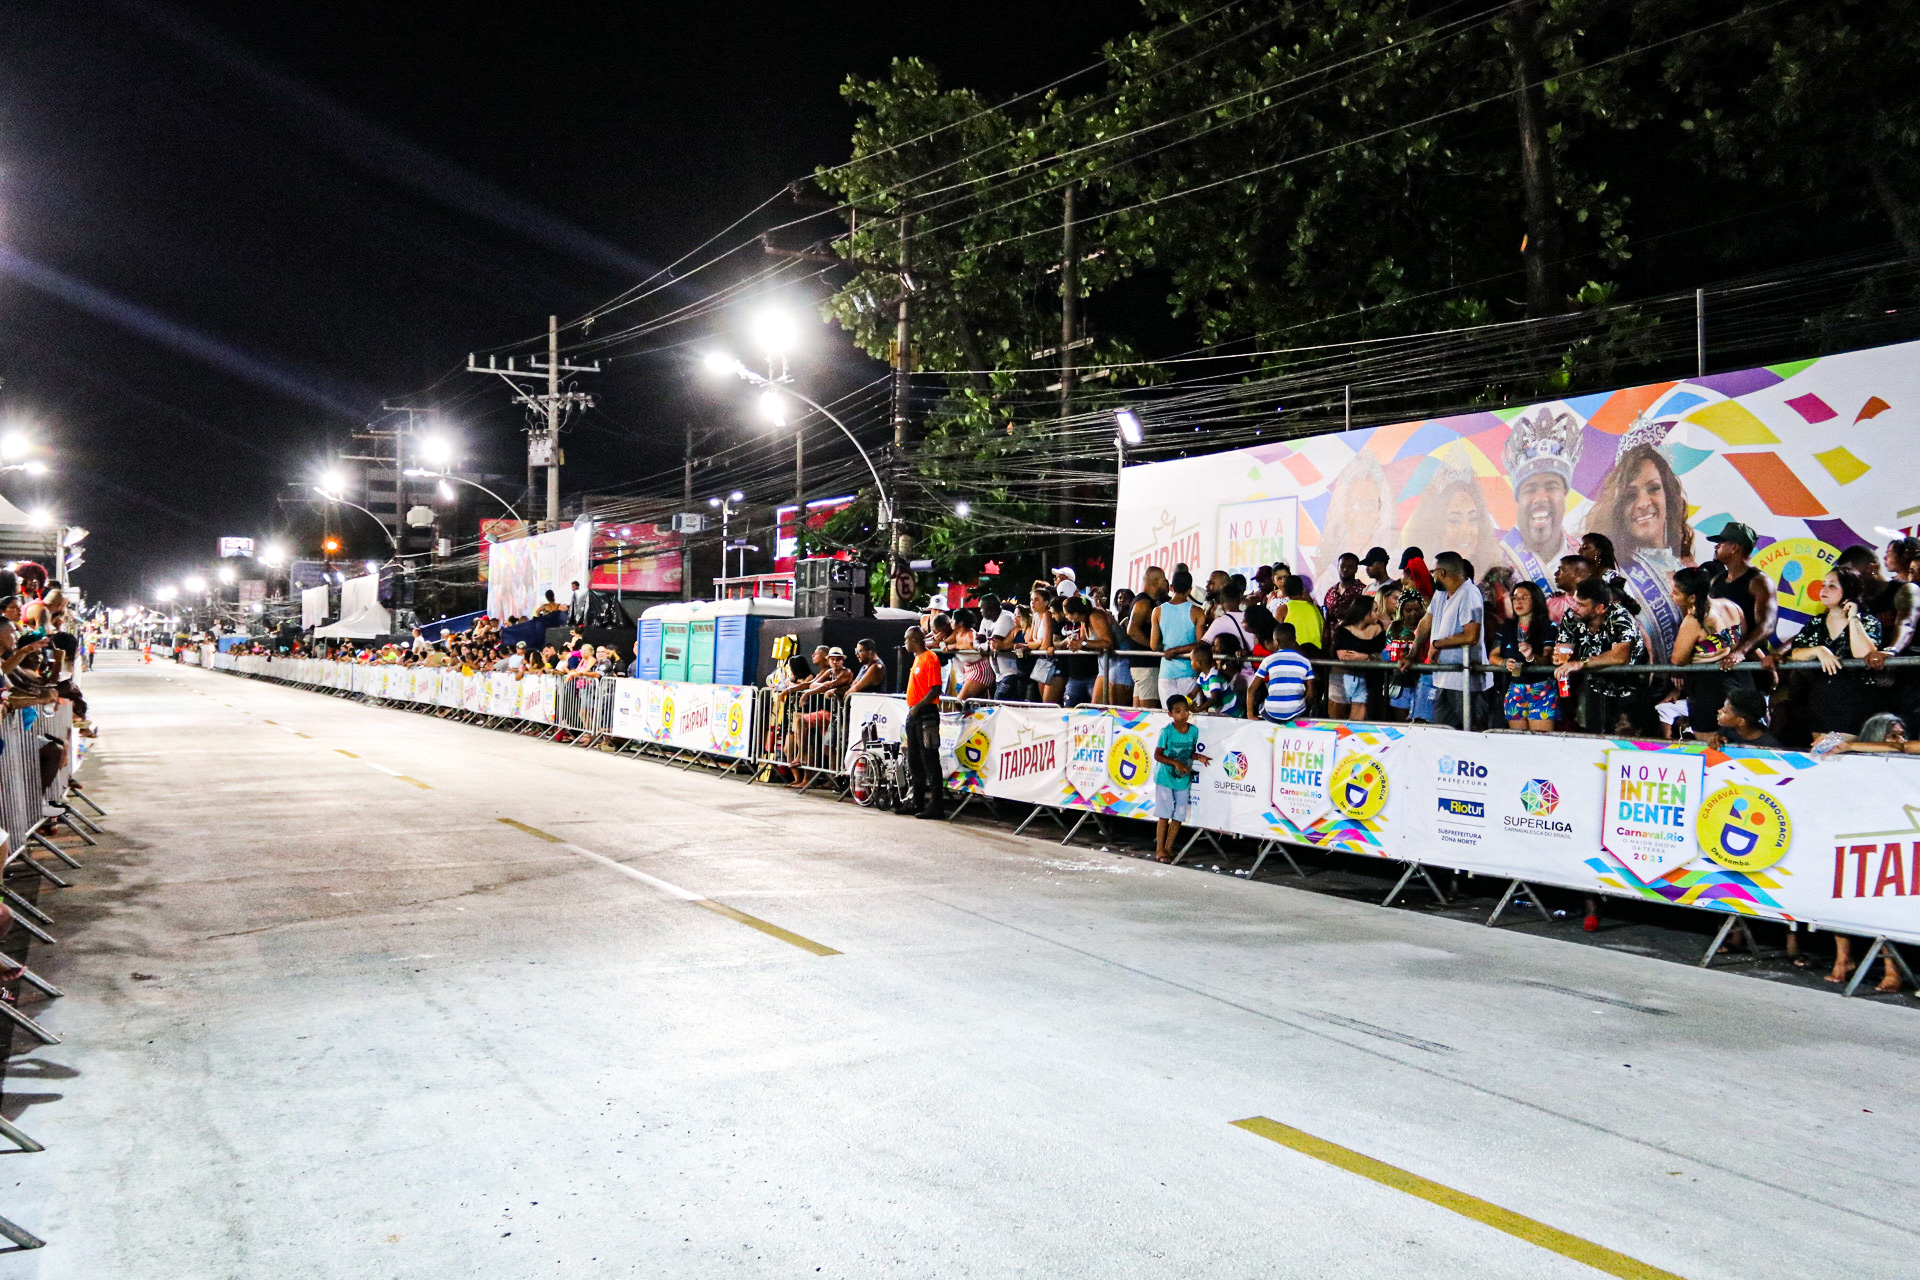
{"points": [[1119, 673], [1349, 688], [1171, 804], [1079, 692]]}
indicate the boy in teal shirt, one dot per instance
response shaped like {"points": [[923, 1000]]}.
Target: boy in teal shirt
{"points": [[1176, 752]]}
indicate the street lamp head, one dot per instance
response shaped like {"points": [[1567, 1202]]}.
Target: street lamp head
{"points": [[736, 496], [165, 594], [273, 556], [773, 408], [721, 363], [963, 510], [14, 445], [773, 331], [1128, 422], [227, 574], [437, 450], [41, 519], [713, 502], [194, 585], [331, 485], [34, 468], [446, 492]]}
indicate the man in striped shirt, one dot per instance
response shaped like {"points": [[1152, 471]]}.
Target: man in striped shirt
{"points": [[1284, 685]]}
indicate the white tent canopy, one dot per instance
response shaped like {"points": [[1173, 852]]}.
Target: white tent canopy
{"points": [[361, 616], [22, 539]]}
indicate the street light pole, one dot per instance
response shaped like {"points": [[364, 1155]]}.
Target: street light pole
{"points": [[448, 475], [886, 509], [334, 497]]}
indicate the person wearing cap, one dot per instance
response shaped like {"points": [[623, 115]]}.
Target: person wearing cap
{"points": [[1066, 582], [1748, 588]]}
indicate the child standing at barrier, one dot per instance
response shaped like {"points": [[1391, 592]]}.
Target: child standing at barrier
{"points": [[1178, 748]]}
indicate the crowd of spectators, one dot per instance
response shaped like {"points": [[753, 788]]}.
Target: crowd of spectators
{"points": [[482, 648], [1562, 656]]}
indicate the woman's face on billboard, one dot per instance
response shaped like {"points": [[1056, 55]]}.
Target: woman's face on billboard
{"points": [[1463, 523], [1645, 498], [1363, 504]]}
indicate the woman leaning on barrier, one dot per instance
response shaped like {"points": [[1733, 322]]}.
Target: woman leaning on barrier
{"points": [[1839, 700]]}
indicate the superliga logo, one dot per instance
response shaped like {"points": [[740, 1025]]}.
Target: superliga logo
{"points": [[1538, 799], [1233, 773]]}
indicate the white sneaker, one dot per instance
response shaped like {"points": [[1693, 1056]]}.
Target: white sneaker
{"points": [[52, 811]]}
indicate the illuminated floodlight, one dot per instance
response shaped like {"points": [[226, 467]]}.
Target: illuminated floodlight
{"points": [[166, 593], [773, 408], [194, 584], [773, 331], [962, 509], [721, 362], [13, 446], [34, 468], [437, 450], [41, 519], [1128, 421], [227, 574]]}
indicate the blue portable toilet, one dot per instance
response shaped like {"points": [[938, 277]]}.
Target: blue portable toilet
{"points": [[736, 635], [646, 661]]}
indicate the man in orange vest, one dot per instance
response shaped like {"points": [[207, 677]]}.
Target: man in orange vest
{"points": [[923, 729]]}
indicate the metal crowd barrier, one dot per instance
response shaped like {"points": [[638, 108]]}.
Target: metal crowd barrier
{"points": [[38, 751], [800, 738]]}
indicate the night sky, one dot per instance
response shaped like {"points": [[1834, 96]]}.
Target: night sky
{"points": [[228, 230]]}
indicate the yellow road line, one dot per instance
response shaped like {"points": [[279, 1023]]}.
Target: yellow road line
{"points": [[707, 904], [415, 781], [771, 930], [1557, 1241], [298, 734], [536, 832], [348, 754]]}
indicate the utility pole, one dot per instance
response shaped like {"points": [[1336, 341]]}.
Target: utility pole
{"points": [[1069, 323], [686, 504], [543, 442], [897, 542], [1541, 251]]}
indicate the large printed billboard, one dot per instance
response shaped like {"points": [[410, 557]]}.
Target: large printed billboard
{"points": [[1814, 454], [522, 570]]}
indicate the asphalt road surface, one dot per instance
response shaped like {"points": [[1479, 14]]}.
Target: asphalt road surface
{"points": [[355, 992]]}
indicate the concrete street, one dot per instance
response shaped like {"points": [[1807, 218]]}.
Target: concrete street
{"points": [[330, 1015]]}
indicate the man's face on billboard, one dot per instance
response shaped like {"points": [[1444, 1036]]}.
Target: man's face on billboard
{"points": [[1541, 502]]}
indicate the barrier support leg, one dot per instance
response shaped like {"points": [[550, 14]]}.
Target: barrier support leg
{"points": [[23, 906], [1033, 813], [55, 850], [82, 823], [1519, 886], [1195, 838], [15, 1134], [1727, 926], [1873, 952], [27, 861], [967, 798], [27, 1024], [1079, 822], [21, 1237], [26, 922], [87, 800], [46, 988], [1407, 877]]}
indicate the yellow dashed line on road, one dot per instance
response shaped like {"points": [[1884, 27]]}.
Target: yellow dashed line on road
{"points": [[348, 754], [706, 904], [1599, 1257]]}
